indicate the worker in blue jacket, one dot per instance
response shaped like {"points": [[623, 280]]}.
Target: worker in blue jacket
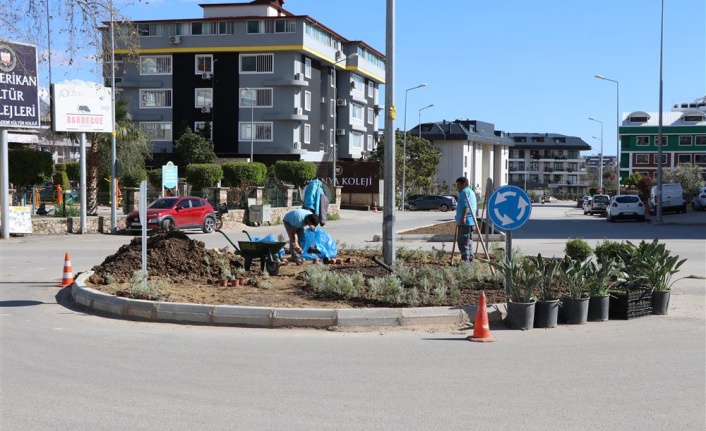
{"points": [[466, 207], [294, 222]]}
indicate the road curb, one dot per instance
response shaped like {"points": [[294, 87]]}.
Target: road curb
{"points": [[270, 317]]}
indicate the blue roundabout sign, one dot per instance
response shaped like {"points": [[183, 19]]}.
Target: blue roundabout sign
{"points": [[509, 207]]}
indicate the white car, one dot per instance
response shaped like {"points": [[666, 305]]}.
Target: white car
{"points": [[699, 202], [625, 206]]}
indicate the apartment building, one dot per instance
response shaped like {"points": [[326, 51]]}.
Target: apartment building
{"points": [[683, 139], [470, 148], [256, 78], [548, 161]]}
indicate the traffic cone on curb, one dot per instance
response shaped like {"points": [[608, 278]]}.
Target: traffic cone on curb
{"points": [[67, 279], [481, 329]]}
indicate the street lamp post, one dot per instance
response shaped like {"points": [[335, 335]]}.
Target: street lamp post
{"points": [[617, 126], [404, 142], [252, 120], [419, 120], [600, 161], [659, 128]]}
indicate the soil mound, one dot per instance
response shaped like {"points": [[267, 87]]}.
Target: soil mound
{"points": [[169, 254]]}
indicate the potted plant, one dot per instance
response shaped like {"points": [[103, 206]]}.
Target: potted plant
{"points": [[521, 279], [600, 276], [657, 267], [574, 304], [546, 312], [224, 269]]}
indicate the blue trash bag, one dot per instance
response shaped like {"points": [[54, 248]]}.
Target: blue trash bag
{"points": [[320, 240], [269, 238]]}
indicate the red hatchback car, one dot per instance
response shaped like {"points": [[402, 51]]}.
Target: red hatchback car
{"points": [[187, 212]]}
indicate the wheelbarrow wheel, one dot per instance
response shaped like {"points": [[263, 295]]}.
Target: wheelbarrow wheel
{"points": [[272, 267], [248, 263]]}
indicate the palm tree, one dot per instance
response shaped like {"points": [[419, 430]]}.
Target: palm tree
{"points": [[133, 147]]}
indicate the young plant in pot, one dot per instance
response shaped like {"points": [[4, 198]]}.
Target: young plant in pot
{"points": [[522, 278], [601, 275], [574, 304], [546, 312], [225, 273]]}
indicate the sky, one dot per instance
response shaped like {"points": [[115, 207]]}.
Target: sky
{"points": [[525, 66]]}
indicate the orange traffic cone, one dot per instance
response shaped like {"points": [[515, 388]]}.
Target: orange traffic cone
{"points": [[67, 279], [481, 330]]}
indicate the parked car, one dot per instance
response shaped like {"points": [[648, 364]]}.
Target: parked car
{"points": [[672, 198], [598, 205], [699, 201], [580, 201], [411, 198], [432, 202], [625, 206], [587, 204], [171, 213]]}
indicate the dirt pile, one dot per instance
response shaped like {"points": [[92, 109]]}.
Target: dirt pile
{"points": [[169, 254]]}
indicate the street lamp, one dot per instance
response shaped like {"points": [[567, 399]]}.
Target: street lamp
{"points": [[617, 126], [252, 119], [659, 127], [404, 144], [600, 160], [419, 120], [335, 114]]}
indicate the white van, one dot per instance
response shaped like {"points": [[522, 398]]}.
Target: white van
{"points": [[672, 198]]}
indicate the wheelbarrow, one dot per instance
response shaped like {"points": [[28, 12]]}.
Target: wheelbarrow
{"points": [[266, 251]]}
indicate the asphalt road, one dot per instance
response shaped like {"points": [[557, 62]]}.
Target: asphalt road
{"points": [[61, 368]]}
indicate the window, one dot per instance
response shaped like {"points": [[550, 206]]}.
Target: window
{"points": [[203, 28], [263, 131], [693, 118], [332, 107], [700, 140], [685, 141], [262, 97], [371, 89], [285, 26], [150, 29], [257, 63], [358, 83], [684, 159], [157, 131], [307, 100], [204, 63], [203, 97], [155, 98], [307, 67], [643, 141], [642, 159], [369, 143], [534, 166], [357, 112], [200, 127], [226, 27], [663, 143], [521, 154], [519, 139], [537, 139], [356, 140], [252, 27], [700, 159], [307, 133], [370, 116], [656, 159], [638, 119], [156, 65]]}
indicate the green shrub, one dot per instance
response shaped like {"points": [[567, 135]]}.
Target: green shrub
{"points": [[61, 178], [202, 175], [154, 176], [294, 172], [73, 170], [134, 179], [609, 250], [578, 249], [237, 174]]}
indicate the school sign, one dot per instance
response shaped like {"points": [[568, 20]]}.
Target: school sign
{"points": [[19, 94]]}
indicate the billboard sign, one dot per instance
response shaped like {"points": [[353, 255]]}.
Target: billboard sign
{"points": [[19, 94], [82, 108]]}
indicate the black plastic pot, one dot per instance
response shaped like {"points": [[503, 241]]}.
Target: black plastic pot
{"points": [[520, 315], [574, 311], [546, 314], [660, 301], [598, 308]]}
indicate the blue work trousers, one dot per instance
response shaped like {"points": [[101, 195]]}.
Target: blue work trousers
{"points": [[465, 242]]}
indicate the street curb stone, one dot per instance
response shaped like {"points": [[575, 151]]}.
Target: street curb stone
{"points": [[267, 317]]}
